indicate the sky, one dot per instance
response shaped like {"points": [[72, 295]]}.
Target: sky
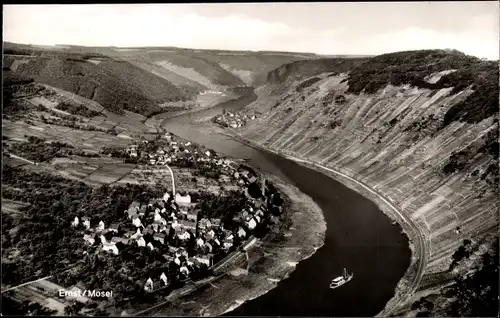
{"points": [[357, 28]]}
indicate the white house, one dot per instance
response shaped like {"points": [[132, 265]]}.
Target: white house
{"points": [[207, 153], [251, 224], [210, 235], [141, 242], [163, 277], [86, 222], [241, 232], [149, 285], [184, 270], [204, 259], [227, 243], [136, 221], [151, 247], [184, 235], [75, 222], [110, 247], [200, 242], [177, 261], [101, 226], [89, 238], [204, 224], [157, 216], [182, 200]]}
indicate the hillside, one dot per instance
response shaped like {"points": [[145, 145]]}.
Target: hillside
{"points": [[116, 85], [304, 69], [139, 79], [420, 127]]}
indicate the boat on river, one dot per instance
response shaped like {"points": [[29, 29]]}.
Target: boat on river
{"points": [[341, 280]]}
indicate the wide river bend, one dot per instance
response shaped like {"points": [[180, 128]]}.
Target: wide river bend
{"points": [[359, 236]]}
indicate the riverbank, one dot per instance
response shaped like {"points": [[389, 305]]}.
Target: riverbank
{"points": [[269, 261], [417, 242]]}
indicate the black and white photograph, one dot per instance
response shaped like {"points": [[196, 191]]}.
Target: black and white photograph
{"points": [[258, 159]]}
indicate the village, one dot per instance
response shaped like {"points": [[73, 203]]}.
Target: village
{"points": [[175, 226], [233, 120]]}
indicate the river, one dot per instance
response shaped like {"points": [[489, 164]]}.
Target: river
{"points": [[359, 236]]}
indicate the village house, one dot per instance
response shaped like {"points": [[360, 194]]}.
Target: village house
{"points": [[137, 222], [163, 278], [155, 225], [228, 243], [160, 237], [142, 211], [116, 240], [141, 242], [75, 222], [210, 235], [188, 224], [150, 245], [110, 247], [215, 222], [89, 239], [101, 226], [251, 224], [205, 259], [241, 232], [86, 222], [114, 227], [184, 270], [204, 224], [132, 209], [199, 242], [257, 218], [184, 235], [148, 287], [183, 200]]}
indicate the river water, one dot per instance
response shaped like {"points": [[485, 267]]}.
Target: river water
{"points": [[359, 236]]}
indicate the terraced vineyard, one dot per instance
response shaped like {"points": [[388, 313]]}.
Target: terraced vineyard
{"points": [[443, 175]]}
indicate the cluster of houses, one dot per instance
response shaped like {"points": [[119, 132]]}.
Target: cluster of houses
{"points": [[167, 224], [175, 151], [172, 225], [232, 120]]}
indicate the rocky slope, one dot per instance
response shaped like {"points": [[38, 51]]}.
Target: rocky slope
{"points": [[420, 127]]}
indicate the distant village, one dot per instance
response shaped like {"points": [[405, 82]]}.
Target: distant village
{"points": [[172, 223], [233, 120]]}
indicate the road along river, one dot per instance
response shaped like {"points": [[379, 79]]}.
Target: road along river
{"points": [[359, 236]]}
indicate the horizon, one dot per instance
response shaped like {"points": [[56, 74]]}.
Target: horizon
{"points": [[469, 27]]}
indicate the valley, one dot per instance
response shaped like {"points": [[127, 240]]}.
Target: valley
{"points": [[385, 160]]}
